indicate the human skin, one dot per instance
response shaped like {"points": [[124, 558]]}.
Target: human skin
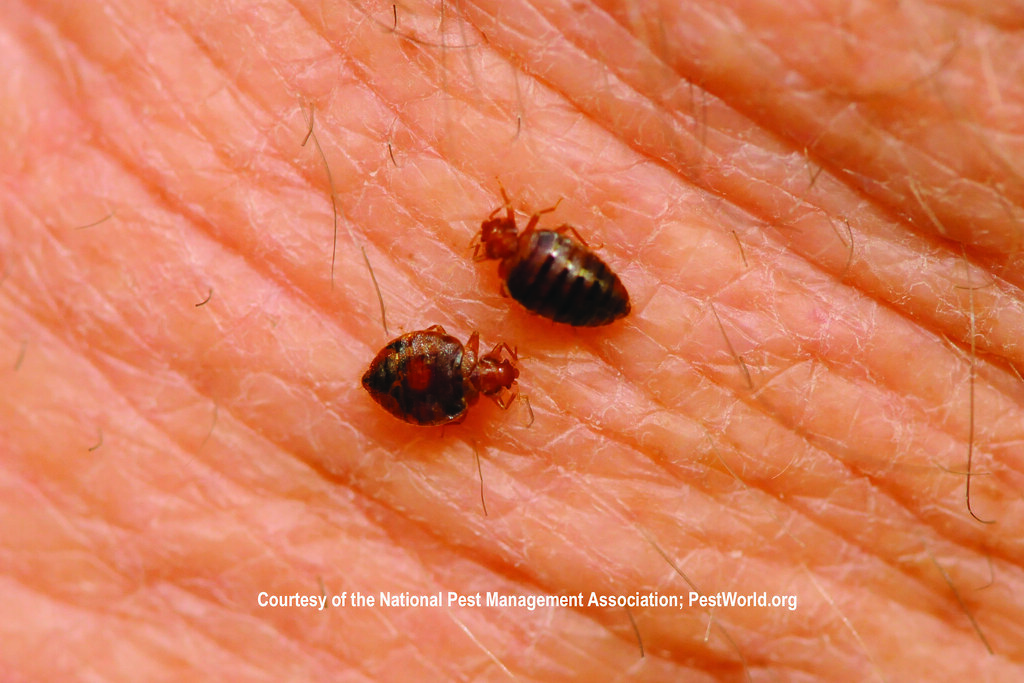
{"points": [[817, 213]]}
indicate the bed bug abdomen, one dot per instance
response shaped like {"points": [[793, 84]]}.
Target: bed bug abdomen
{"points": [[418, 378], [559, 278]]}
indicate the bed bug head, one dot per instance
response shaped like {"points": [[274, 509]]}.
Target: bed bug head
{"points": [[495, 374], [498, 237]]}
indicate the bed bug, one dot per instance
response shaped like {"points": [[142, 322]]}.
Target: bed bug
{"points": [[429, 378], [551, 272]]}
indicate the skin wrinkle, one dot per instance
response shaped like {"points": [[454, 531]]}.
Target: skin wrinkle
{"points": [[846, 267], [489, 416], [835, 530], [498, 568], [168, 434], [951, 76], [883, 379], [209, 136], [128, 164], [96, 365], [956, 309], [420, 138]]}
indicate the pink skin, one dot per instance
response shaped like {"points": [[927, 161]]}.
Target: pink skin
{"points": [[816, 209]]}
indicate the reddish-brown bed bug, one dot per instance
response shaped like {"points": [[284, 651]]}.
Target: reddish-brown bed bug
{"points": [[430, 378], [551, 272]]}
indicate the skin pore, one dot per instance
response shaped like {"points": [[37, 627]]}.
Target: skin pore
{"points": [[817, 213]]}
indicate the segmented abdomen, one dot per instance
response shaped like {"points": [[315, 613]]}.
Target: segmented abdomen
{"points": [[557, 277], [418, 378]]}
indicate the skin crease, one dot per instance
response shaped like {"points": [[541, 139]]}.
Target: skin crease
{"points": [[817, 213]]}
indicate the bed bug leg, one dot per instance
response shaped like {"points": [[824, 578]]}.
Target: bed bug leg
{"points": [[536, 217], [480, 472], [502, 347], [476, 244], [526, 399], [504, 195], [514, 395], [565, 227], [505, 402], [504, 352]]}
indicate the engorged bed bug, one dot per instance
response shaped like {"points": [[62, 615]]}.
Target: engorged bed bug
{"points": [[429, 378], [551, 272]]}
